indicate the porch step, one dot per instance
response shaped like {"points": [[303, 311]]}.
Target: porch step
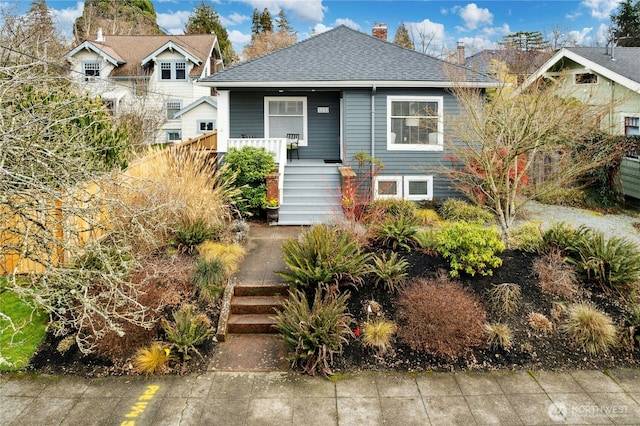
{"points": [[311, 193], [261, 290]]}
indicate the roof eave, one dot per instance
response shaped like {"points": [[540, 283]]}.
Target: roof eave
{"points": [[90, 46], [172, 45]]}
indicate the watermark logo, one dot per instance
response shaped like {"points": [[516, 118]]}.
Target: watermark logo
{"points": [[557, 411]]}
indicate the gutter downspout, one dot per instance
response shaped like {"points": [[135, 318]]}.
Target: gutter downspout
{"points": [[373, 136]]}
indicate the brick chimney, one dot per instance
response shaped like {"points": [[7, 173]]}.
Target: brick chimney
{"points": [[379, 31], [460, 58]]}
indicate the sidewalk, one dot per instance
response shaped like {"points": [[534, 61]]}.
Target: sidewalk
{"points": [[230, 394], [285, 398]]}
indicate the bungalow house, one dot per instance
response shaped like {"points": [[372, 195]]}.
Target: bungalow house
{"points": [[152, 73], [603, 76], [342, 92]]}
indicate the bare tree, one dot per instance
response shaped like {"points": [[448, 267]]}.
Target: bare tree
{"points": [[499, 141], [267, 42]]}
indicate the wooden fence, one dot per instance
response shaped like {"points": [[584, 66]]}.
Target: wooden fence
{"points": [[62, 225]]}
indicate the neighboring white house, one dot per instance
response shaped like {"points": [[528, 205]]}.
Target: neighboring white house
{"points": [[153, 73]]}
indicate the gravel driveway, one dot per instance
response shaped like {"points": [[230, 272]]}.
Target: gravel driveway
{"points": [[620, 225]]}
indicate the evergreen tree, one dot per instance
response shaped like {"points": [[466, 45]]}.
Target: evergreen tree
{"points": [[402, 37], [627, 24], [205, 20], [256, 24], [265, 21], [283, 24]]}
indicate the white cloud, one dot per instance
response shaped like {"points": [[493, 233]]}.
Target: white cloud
{"points": [[238, 38], [428, 37], [347, 22], [173, 22], [473, 16], [602, 35], [497, 31], [65, 18], [321, 28], [601, 9], [307, 11], [233, 19], [475, 44], [580, 37]]}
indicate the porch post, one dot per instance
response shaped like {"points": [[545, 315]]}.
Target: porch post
{"points": [[223, 120]]}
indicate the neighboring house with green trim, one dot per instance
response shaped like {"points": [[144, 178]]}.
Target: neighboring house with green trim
{"points": [[603, 76], [346, 92]]}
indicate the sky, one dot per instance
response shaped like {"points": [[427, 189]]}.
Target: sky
{"points": [[436, 26]]}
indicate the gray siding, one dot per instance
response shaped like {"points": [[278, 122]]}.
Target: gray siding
{"points": [[357, 135], [247, 117]]}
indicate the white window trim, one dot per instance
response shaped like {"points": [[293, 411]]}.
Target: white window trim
{"points": [[624, 115], [305, 116], [391, 146], [166, 108], [173, 64], [198, 122], [409, 179], [166, 135], [376, 185], [84, 70]]}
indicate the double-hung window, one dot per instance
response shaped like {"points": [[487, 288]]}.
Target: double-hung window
{"points": [[172, 108], [415, 123], [286, 115], [91, 70], [632, 126], [173, 70]]}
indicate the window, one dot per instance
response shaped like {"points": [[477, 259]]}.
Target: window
{"points": [[388, 187], [205, 126], [586, 78], [173, 135], [173, 70], [632, 126], [415, 123], [418, 187], [172, 109], [286, 115], [91, 70], [140, 86]]}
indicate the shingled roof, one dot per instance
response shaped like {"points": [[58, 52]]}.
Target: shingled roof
{"points": [[130, 50], [623, 67], [343, 57]]}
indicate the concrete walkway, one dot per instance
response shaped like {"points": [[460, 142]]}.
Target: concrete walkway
{"points": [[230, 394], [285, 398]]}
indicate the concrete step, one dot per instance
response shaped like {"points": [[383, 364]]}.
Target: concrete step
{"points": [[262, 289], [256, 304], [251, 323]]}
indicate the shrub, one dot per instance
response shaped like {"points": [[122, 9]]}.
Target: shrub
{"points": [[499, 336], [152, 360], [505, 298], [314, 334], [210, 278], [556, 277], [390, 272], [539, 322], [427, 240], [470, 248], [565, 196], [378, 333], [189, 235], [392, 208], [527, 237], [324, 255], [230, 255], [398, 231], [440, 317], [610, 263], [427, 217], [560, 236], [188, 329], [590, 329], [459, 210], [250, 165]]}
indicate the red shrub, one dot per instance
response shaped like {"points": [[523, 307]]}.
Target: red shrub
{"points": [[441, 317]]}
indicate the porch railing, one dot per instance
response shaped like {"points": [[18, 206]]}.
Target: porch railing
{"points": [[277, 146]]}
